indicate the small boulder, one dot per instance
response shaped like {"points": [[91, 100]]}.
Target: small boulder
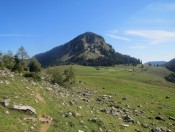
{"points": [[128, 118], [172, 118], [6, 102], [156, 129], [125, 98], [80, 131], [6, 112], [30, 119], [167, 97], [124, 125], [6, 82], [29, 109], [159, 118]]}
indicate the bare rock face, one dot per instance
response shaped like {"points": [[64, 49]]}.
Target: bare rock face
{"points": [[29, 109]]}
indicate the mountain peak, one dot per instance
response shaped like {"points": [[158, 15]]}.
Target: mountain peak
{"points": [[85, 49], [89, 38]]}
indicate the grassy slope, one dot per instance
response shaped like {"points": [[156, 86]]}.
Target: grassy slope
{"points": [[146, 88], [143, 87]]}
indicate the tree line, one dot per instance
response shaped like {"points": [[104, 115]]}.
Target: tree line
{"points": [[20, 62]]}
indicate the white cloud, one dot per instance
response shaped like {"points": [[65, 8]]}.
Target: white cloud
{"points": [[155, 36], [15, 35], [114, 36], [161, 6]]}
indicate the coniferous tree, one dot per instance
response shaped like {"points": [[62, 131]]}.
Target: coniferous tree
{"points": [[22, 54], [18, 66]]}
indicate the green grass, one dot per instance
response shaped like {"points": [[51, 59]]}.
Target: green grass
{"points": [[145, 89]]}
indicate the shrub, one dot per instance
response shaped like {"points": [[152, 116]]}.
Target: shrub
{"points": [[33, 75], [34, 65], [57, 78], [70, 76], [65, 78], [171, 77]]}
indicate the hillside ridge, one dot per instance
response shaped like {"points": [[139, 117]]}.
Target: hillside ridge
{"points": [[85, 49]]}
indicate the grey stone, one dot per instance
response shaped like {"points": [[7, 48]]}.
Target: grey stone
{"points": [[80, 131], [159, 118], [6, 82], [144, 125], [156, 129], [128, 118], [172, 118], [167, 97], [124, 125], [30, 119], [6, 112], [125, 98], [24, 108], [6, 102]]}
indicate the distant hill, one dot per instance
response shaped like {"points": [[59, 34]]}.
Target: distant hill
{"points": [[86, 49], [156, 63], [171, 65]]}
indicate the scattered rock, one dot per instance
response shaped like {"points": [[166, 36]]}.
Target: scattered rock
{"points": [[124, 125], [125, 98], [82, 122], [80, 131], [167, 97], [97, 121], [168, 130], [29, 109], [72, 103], [159, 118], [100, 129], [172, 118], [137, 130], [6, 112], [76, 114], [69, 114], [6, 82], [156, 129], [87, 93], [144, 125], [33, 83], [16, 97], [6, 102], [79, 107], [30, 119], [128, 118], [138, 123], [36, 101], [32, 128], [49, 89]]}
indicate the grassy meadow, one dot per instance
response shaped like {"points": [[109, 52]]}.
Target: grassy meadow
{"points": [[141, 93]]}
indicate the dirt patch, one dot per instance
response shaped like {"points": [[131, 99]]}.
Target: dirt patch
{"points": [[46, 120], [40, 98]]}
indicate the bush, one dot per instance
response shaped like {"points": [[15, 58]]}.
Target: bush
{"points": [[70, 76], [65, 78], [33, 75], [34, 65], [171, 77], [57, 78]]}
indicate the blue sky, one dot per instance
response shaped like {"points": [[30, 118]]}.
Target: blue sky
{"points": [[141, 28]]}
